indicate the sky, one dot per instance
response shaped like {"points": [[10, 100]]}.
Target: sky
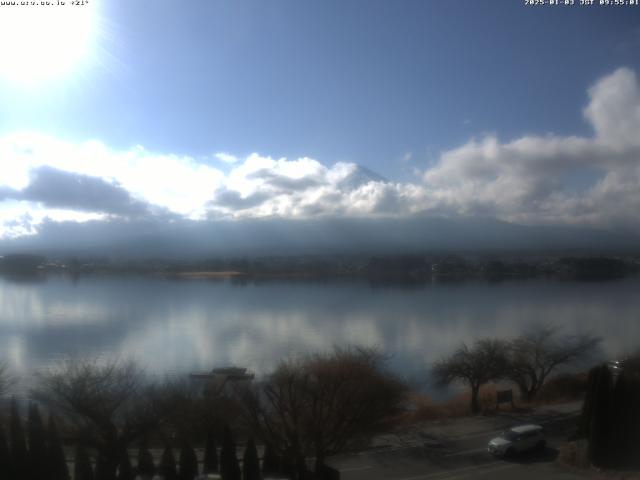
{"points": [[205, 111]]}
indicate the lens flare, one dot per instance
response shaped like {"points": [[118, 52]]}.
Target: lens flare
{"points": [[45, 40]]}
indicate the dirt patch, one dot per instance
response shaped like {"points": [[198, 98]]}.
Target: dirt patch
{"points": [[424, 408]]}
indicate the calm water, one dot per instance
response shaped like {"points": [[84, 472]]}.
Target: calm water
{"points": [[184, 326]]}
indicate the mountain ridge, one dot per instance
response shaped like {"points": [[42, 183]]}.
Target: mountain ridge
{"points": [[188, 239]]}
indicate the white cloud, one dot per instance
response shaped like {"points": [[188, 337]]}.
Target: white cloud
{"points": [[533, 179], [180, 184], [226, 157], [614, 109]]}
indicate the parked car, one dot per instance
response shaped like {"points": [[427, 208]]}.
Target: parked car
{"points": [[517, 439]]}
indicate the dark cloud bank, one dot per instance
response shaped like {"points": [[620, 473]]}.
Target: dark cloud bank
{"points": [[60, 189], [137, 229], [190, 239]]}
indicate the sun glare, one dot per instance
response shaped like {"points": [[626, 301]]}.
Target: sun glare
{"points": [[44, 40]]}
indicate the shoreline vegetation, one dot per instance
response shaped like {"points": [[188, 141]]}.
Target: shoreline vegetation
{"points": [[196, 274], [391, 268], [334, 402]]}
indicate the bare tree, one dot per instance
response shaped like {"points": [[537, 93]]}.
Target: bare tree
{"points": [[110, 405], [534, 355], [195, 412], [323, 404], [484, 361]]}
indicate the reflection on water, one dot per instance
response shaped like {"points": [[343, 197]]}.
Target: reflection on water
{"points": [[182, 326]]}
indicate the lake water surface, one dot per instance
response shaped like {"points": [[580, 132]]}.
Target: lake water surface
{"points": [[193, 325]]}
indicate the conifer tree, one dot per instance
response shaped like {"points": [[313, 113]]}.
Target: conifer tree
{"points": [[250, 462], [37, 444], [145, 466], [82, 469], [19, 453], [625, 420], [634, 420], [229, 467], [270, 462], [5, 457], [125, 470], [599, 424], [104, 469], [611, 417], [288, 467], [584, 423], [188, 463], [210, 454], [167, 469], [56, 461]]}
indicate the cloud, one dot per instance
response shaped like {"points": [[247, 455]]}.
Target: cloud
{"points": [[552, 179], [614, 110], [234, 201], [226, 157], [59, 189], [406, 158], [266, 187], [56, 195], [6, 192], [286, 183], [535, 180], [179, 184]]}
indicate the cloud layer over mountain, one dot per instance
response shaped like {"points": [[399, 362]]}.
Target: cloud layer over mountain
{"points": [[552, 179], [534, 180]]}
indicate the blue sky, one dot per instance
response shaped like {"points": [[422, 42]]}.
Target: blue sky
{"points": [[397, 87], [361, 81]]}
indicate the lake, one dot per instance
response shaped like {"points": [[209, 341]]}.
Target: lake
{"points": [[181, 326]]}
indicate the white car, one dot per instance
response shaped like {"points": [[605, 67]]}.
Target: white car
{"points": [[517, 439]]}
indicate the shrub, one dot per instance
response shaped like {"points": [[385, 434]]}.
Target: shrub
{"points": [[229, 467], [19, 453], [332, 403], [145, 467], [210, 453], [167, 467], [5, 456], [125, 470], [188, 463], [270, 462], [56, 461], [564, 387], [250, 463], [83, 469], [37, 443]]}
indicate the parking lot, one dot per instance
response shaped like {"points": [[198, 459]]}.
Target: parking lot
{"points": [[456, 449]]}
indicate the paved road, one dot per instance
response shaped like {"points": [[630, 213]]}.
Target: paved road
{"points": [[457, 450]]}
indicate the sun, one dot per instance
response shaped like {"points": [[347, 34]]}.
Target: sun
{"points": [[41, 41]]}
